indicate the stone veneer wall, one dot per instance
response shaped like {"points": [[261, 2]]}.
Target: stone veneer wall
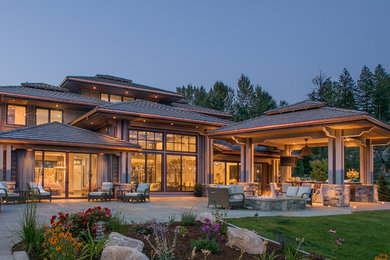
{"points": [[364, 193], [335, 195]]}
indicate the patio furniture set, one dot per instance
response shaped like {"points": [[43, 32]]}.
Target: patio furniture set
{"points": [[36, 192], [232, 196]]}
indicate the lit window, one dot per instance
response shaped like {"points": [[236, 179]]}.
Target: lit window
{"points": [[41, 116], [146, 140], [181, 143], [127, 99], [115, 99], [16, 115], [104, 97], [56, 116]]}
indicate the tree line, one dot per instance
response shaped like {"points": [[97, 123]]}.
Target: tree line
{"points": [[245, 102]]}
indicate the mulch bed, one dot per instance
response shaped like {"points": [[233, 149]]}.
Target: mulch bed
{"points": [[183, 248]]}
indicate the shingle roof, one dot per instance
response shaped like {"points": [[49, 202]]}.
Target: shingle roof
{"points": [[145, 108], [227, 146], [281, 119], [121, 83], [48, 95], [202, 110], [64, 134], [308, 104], [43, 86]]}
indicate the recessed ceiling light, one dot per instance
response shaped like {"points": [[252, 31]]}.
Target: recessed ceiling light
{"points": [[127, 92], [94, 87], [171, 123], [197, 126], [144, 120], [114, 117], [91, 123], [56, 105]]}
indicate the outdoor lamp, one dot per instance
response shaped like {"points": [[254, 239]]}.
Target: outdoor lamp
{"points": [[306, 150]]}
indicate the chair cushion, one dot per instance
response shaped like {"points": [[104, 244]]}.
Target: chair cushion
{"points": [[285, 186], [45, 193], [97, 193], [107, 186], [239, 188], [235, 200], [4, 185], [236, 197], [292, 191], [40, 188], [13, 194], [133, 194], [303, 190], [231, 189]]}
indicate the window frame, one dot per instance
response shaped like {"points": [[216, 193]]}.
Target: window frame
{"points": [[122, 97], [25, 115], [49, 114]]}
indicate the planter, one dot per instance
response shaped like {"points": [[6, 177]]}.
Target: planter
{"points": [[198, 193]]}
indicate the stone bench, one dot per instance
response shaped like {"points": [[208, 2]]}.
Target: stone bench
{"points": [[275, 203]]}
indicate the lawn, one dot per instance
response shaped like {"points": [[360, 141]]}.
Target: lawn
{"points": [[366, 234]]}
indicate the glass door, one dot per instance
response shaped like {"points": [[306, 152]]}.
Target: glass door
{"points": [[79, 171], [181, 173]]}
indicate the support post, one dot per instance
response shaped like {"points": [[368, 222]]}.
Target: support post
{"points": [[285, 171], [1, 162], [243, 164], [128, 180], [367, 163], [249, 161], [336, 158], [8, 163], [123, 168]]}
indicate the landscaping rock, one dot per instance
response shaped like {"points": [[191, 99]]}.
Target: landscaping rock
{"points": [[122, 253], [245, 240], [205, 215], [21, 255], [116, 239]]}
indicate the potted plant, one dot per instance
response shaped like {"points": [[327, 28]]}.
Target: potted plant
{"points": [[198, 190]]}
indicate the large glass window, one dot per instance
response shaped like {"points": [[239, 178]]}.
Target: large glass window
{"points": [[219, 172], [181, 173], [43, 116], [128, 99], [226, 172], [146, 140], [104, 97], [115, 99], [181, 143], [54, 172], [79, 169], [16, 115], [147, 168]]}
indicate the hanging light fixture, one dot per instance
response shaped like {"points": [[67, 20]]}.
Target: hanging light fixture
{"points": [[306, 150]]}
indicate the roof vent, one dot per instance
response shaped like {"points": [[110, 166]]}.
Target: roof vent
{"points": [[109, 77]]}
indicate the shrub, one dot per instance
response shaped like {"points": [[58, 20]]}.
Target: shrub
{"points": [[117, 223], [144, 228], [163, 249], [188, 218], [182, 231], [204, 244], [59, 243], [383, 190], [91, 249], [31, 233], [198, 187], [78, 222]]}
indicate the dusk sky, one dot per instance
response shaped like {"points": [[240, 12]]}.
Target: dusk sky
{"points": [[280, 45]]}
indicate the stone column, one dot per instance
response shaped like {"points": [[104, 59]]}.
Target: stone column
{"points": [[285, 171], [128, 168], [123, 167], [8, 163], [336, 159]]}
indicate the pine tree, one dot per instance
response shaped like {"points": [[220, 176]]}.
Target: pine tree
{"points": [[346, 91], [365, 91], [245, 95], [324, 90], [221, 97], [262, 101], [188, 92], [201, 97], [381, 94]]}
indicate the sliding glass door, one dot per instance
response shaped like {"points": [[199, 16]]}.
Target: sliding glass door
{"points": [[181, 172]]}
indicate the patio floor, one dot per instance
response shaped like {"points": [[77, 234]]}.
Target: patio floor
{"points": [[160, 208]]}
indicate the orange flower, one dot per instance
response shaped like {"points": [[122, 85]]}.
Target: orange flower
{"points": [[57, 229], [58, 248]]}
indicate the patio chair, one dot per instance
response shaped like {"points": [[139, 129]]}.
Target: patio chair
{"points": [[226, 196], [274, 189], [105, 192], [285, 187], [8, 196], [301, 192], [35, 190], [140, 195]]}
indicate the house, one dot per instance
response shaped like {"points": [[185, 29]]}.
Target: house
{"points": [[87, 130]]}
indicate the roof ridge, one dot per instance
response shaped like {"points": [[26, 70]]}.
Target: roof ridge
{"points": [[346, 110]]}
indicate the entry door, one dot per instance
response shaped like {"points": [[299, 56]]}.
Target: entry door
{"points": [[181, 172]]}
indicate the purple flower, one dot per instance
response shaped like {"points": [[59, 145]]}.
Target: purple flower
{"points": [[341, 239], [207, 220], [332, 231], [339, 243]]}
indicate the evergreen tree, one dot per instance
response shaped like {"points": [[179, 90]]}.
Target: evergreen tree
{"points": [[346, 91], [324, 90], [245, 95], [383, 189], [365, 91], [221, 97], [188, 92], [283, 103], [262, 101], [381, 94], [201, 97]]}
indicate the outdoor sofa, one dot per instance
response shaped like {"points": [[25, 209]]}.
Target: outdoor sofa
{"points": [[36, 191], [140, 195], [226, 196], [8, 196], [105, 192], [301, 192]]}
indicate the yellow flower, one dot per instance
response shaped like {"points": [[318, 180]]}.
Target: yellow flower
{"points": [[54, 224], [45, 252], [45, 258], [43, 244], [57, 229], [58, 248], [63, 228]]}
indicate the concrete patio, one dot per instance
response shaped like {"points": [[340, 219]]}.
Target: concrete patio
{"points": [[160, 208]]}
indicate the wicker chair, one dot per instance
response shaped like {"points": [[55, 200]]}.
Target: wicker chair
{"points": [[35, 190], [105, 192], [8, 196], [140, 195], [226, 196]]}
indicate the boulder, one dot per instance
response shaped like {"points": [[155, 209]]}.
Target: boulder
{"points": [[245, 240], [122, 253], [205, 215], [20, 255], [116, 239]]}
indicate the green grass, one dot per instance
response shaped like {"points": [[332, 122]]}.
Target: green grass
{"points": [[366, 234]]}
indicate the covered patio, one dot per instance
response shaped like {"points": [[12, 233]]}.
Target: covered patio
{"points": [[314, 124]]}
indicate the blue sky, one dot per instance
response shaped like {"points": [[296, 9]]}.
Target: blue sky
{"points": [[280, 45]]}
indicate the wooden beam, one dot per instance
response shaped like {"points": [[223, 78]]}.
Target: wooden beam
{"points": [[308, 135]]}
